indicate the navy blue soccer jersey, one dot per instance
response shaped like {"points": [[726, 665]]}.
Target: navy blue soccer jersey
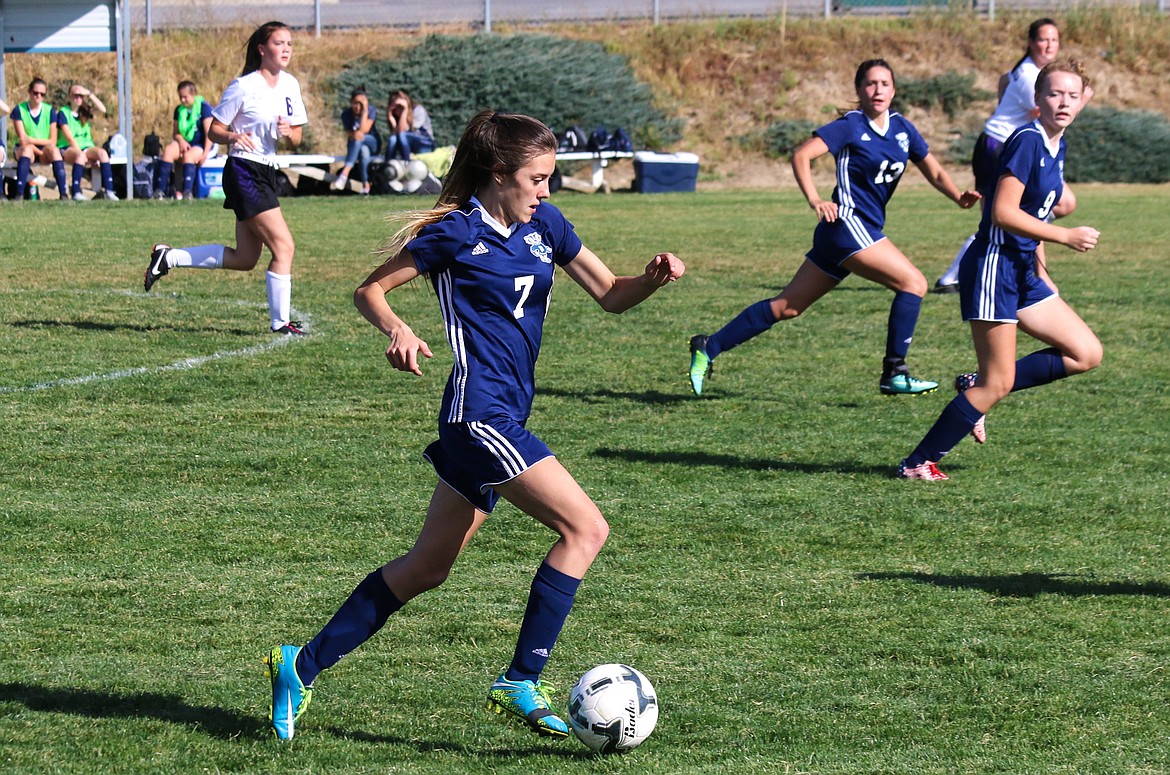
{"points": [[869, 162], [1027, 157], [493, 286]]}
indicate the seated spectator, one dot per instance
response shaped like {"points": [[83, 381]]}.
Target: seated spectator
{"points": [[36, 137], [75, 140], [190, 142], [359, 121], [410, 127]]}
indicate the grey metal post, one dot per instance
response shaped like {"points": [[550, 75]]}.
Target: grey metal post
{"points": [[487, 16], [148, 24], [125, 101], [316, 17], [3, 90], [990, 10], [656, 13], [828, 8]]}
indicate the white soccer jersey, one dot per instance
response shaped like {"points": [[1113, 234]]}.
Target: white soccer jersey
{"points": [[1019, 100], [251, 106]]}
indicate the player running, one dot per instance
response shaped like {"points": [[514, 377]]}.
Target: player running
{"points": [[258, 109], [871, 145], [1004, 283], [489, 247]]}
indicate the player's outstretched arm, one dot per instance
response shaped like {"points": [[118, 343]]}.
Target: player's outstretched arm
{"points": [[370, 298], [938, 177], [618, 294]]}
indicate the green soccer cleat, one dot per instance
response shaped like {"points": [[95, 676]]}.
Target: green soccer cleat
{"points": [[905, 385], [290, 697], [528, 703], [700, 363]]}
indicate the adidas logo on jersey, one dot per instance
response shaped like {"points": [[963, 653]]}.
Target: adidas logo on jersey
{"points": [[479, 250], [865, 137]]}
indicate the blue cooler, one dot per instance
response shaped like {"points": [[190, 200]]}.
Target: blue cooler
{"points": [[209, 178], [662, 172]]}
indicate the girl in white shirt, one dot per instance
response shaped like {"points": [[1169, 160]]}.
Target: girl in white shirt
{"points": [[257, 110]]}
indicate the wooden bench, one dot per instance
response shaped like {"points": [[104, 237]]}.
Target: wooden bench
{"points": [[600, 160], [8, 170]]}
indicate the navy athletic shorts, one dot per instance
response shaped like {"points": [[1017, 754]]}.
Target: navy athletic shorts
{"points": [[249, 188], [473, 457]]}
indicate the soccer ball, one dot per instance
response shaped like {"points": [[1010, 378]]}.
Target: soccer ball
{"points": [[613, 708]]}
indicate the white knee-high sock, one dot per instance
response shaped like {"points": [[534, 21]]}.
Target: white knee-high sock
{"points": [[279, 297], [951, 276], [198, 257]]}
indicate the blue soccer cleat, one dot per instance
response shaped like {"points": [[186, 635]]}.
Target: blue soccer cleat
{"points": [[905, 385], [290, 697], [528, 703]]}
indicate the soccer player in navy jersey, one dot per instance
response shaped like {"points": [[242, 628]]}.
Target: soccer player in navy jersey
{"points": [[1004, 283], [257, 110], [1016, 108], [489, 247], [871, 146]]}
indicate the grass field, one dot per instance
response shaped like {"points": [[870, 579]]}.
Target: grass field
{"points": [[177, 494]]}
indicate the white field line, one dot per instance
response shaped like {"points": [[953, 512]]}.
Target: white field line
{"points": [[185, 363]]}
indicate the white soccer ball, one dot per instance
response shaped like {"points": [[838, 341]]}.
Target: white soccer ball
{"points": [[395, 169], [613, 708], [416, 170]]}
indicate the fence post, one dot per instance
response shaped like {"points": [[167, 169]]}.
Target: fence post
{"points": [[487, 16], [828, 8]]}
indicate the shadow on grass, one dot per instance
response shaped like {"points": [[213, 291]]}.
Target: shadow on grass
{"points": [[539, 745], [735, 461], [648, 397], [217, 722], [1028, 584], [89, 325], [222, 723]]}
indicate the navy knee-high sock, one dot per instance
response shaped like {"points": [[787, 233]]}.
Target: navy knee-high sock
{"points": [[752, 322], [1039, 368], [23, 167], [188, 178], [78, 174], [162, 176], [107, 176], [900, 328], [955, 422], [549, 604], [362, 614], [59, 176]]}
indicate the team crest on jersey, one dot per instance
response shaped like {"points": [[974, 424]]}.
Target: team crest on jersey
{"points": [[538, 248], [903, 141]]}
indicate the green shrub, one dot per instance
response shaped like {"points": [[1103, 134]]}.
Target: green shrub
{"points": [[950, 91], [783, 137], [1107, 145], [778, 140], [560, 81]]}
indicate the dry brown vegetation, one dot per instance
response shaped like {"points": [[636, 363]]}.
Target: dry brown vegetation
{"points": [[724, 78]]}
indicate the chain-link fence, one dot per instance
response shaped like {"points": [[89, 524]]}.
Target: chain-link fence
{"points": [[480, 14]]}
